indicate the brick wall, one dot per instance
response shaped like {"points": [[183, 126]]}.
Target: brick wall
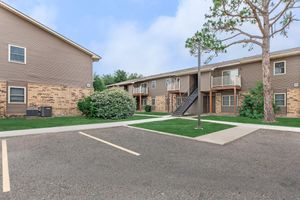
{"points": [[218, 103], [3, 97], [293, 102], [63, 99]]}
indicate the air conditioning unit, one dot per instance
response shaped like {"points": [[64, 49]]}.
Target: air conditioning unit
{"points": [[32, 112], [46, 111]]}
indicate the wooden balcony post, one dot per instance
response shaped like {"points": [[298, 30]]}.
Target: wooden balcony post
{"points": [[140, 102], [210, 102], [235, 100]]}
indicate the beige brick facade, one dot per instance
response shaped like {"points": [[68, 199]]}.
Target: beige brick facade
{"points": [[63, 99], [293, 102], [3, 97], [218, 103]]}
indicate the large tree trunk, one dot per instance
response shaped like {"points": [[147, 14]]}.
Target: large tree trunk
{"points": [[269, 114]]}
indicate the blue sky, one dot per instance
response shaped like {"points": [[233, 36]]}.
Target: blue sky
{"points": [[142, 36]]}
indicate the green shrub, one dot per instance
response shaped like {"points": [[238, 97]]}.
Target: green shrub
{"points": [[85, 106], [109, 104], [148, 108], [253, 104]]}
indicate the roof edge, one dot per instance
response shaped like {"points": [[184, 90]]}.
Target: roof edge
{"points": [[209, 67]]}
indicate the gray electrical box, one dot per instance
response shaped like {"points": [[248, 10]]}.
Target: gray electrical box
{"points": [[46, 111]]}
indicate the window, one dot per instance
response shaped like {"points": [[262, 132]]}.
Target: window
{"points": [[279, 68], [153, 101], [144, 101], [280, 99], [16, 54], [168, 81], [228, 100], [17, 95], [153, 84], [229, 77]]}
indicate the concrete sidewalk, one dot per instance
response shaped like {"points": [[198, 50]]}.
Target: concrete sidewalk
{"points": [[226, 136], [255, 126], [5, 134]]}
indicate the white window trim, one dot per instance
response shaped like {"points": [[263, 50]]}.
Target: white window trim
{"points": [[25, 54], [284, 61], [237, 100], [152, 84], [25, 95], [284, 99]]}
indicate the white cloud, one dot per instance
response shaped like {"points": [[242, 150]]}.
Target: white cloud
{"points": [[158, 48]]}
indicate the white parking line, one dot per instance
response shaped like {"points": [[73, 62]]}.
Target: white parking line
{"points": [[5, 171], [111, 144]]}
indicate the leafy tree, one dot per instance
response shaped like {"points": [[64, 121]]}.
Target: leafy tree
{"points": [[230, 22], [98, 83], [120, 75], [133, 76], [108, 79]]}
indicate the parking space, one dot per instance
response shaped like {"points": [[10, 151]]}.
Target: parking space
{"points": [[124, 163]]}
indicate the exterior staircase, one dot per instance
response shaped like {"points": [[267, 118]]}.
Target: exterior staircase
{"points": [[186, 104]]}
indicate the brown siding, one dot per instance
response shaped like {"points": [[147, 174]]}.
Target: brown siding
{"points": [[49, 59], [205, 81]]}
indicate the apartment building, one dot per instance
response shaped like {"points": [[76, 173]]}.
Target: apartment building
{"points": [[40, 67], [222, 86]]}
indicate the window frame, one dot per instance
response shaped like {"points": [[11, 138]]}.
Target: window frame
{"points": [[274, 68], [230, 105], [152, 84], [280, 93], [9, 95], [13, 61], [153, 98]]}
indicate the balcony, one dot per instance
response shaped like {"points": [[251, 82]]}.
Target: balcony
{"points": [[141, 90], [226, 82], [173, 85]]}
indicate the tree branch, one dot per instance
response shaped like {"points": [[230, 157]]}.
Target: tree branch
{"points": [[276, 6], [246, 41], [283, 27], [253, 8], [279, 15]]}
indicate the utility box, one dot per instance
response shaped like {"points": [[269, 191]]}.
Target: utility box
{"points": [[32, 112], [46, 111]]}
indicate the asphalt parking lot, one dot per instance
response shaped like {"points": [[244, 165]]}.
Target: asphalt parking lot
{"points": [[126, 163]]}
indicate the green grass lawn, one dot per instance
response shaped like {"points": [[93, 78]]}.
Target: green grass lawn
{"points": [[19, 124], [154, 113], [281, 121], [183, 127]]}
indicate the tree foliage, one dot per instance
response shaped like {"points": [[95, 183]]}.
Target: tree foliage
{"points": [[253, 103], [98, 83], [117, 77]]}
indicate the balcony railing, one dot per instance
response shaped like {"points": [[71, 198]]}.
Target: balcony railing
{"points": [[140, 90], [225, 81]]}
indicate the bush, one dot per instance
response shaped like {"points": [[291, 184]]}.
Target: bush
{"points": [[148, 108], [109, 104], [253, 104], [85, 106]]}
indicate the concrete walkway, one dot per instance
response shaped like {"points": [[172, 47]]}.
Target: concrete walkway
{"points": [[257, 126], [145, 115], [226, 136], [60, 129]]}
